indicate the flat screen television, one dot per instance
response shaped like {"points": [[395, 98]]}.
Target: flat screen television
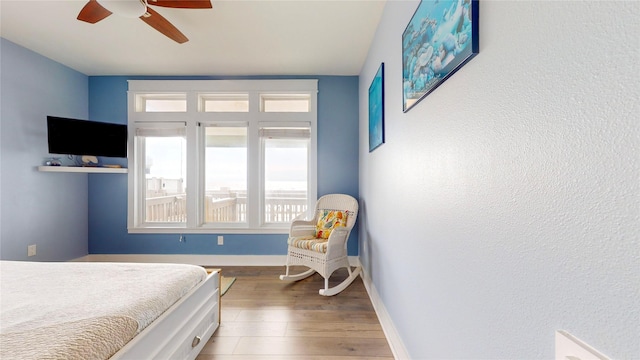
{"points": [[84, 137]]}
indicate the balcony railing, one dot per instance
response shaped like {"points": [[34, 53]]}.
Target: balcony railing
{"points": [[225, 210], [171, 208], [282, 209], [279, 207]]}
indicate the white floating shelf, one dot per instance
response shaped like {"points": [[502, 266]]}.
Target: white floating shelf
{"points": [[83, 169]]}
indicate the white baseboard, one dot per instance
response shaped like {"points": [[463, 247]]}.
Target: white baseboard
{"points": [[395, 342], [208, 260]]}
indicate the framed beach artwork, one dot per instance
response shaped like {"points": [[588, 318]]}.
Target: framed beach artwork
{"points": [[440, 38], [376, 110]]}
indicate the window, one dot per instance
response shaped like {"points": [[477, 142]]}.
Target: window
{"points": [[225, 171], [285, 102], [161, 103], [224, 156], [161, 154], [286, 163], [224, 102]]}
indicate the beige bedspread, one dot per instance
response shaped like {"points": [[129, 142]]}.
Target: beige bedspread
{"points": [[94, 338], [83, 310]]}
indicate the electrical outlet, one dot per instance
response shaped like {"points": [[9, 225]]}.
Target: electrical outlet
{"points": [[220, 240], [31, 250]]}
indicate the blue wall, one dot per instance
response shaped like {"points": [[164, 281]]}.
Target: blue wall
{"points": [[48, 210], [337, 173]]}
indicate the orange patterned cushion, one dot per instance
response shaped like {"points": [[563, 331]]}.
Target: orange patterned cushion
{"points": [[329, 220]]}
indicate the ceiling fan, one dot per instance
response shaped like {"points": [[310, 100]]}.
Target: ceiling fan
{"points": [[96, 10]]}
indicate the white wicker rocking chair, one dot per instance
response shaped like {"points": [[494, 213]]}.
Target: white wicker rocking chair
{"points": [[307, 248]]}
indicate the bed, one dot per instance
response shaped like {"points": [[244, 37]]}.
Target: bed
{"points": [[73, 310]]}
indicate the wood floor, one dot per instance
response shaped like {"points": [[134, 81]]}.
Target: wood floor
{"points": [[266, 318]]}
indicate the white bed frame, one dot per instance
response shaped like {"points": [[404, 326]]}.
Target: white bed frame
{"points": [[182, 331]]}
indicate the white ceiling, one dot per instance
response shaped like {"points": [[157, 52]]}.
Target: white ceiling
{"points": [[235, 37]]}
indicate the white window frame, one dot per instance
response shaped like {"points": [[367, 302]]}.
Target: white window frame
{"points": [[193, 117], [139, 173]]}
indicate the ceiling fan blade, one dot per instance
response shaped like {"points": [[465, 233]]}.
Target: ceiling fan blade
{"points": [[182, 4], [93, 12], [163, 25]]}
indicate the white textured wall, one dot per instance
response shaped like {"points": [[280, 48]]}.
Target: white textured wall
{"points": [[506, 204]]}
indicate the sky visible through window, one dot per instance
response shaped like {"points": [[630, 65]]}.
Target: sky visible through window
{"points": [[285, 167]]}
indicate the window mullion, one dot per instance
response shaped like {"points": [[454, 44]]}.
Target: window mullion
{"points": [[200, 174], [312, 186], [194, 183], [254, 191], [138, 196], [254, 164]]}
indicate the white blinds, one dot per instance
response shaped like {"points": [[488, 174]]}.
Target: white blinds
{"points": [[178, 129], [285, 133]]}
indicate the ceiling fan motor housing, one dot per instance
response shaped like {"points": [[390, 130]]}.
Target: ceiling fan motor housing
{"points": [[126, 8], [97, 10]]}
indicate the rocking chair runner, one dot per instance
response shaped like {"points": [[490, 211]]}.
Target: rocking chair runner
{"points": [[321, 243]]}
